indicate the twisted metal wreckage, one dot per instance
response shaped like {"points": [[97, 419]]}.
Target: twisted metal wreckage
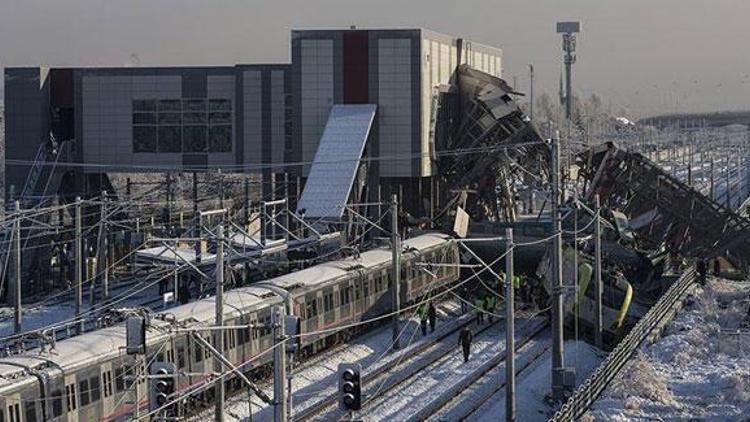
{"points": [[665, 213]]}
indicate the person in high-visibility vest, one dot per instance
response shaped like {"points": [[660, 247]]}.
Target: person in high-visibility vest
{"points": [[422, 314], [479, 307], [489, 306]]}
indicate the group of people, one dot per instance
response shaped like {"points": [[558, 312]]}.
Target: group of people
{"points": [[426, 313], [484, 306]]}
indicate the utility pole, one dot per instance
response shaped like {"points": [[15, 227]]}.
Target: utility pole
{"points": [[531, 92], [396, 269], [598, 272], [104, 256], [246, 213], [18, 311], [557, 278], [79, 266], [726, 177], [711, 177], [279, 366], [510, 341], [196, 220], [219, 334]]}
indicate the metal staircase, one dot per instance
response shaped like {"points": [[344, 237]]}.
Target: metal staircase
{"points": [[43, 176]]}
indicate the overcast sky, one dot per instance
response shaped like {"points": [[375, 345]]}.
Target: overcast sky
{"points": [[647, 55]]}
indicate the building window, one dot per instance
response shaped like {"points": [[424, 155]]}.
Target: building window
{"points": [[220, 139], [144, 139], [170, 139], [194, 139], [188, 125]]}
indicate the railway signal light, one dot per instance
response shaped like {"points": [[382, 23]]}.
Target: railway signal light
{"points": [[350, 386], [162, 385]]}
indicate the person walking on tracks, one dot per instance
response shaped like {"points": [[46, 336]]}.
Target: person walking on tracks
{"points": [[479, 307], [701, 267], [431, 316], [464, 340], [422, 314]]}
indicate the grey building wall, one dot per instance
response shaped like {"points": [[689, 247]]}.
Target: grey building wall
{"points": [[406, 66], [142, 119]]}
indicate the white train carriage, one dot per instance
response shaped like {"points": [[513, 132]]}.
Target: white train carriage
{"points": [[356, 289], [88, 377]]}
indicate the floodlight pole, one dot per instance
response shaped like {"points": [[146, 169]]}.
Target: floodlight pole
{"points": [[598, 272]]}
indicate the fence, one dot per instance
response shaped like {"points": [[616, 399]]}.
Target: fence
{"points": [[659, 313]]}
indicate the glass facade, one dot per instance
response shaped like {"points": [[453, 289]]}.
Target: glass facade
{"points": [[188, 125]]}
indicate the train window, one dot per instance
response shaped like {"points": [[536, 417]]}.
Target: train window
{"points": [[311, 309], [95, 391], [198, 352], [30, 410], [70, 391], [83, 390], [366, 288], [56, 403], [14, 413], [345, 295], [119, 379], [180, 357], [107, 383], [328, 302]]}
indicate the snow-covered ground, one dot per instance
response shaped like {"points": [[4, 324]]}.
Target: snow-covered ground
{"points": [[34, 317], [316, 380], [699, 369], [533, 384]]}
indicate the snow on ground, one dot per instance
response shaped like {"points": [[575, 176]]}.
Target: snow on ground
{"points": [[443, 375], [695, 371], [33, 318], [533, 384], [317, 379]]}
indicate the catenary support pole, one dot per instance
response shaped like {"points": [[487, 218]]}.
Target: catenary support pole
{"points": [[510, 341], [196, 220], [279, 366], [598, 273], [18, 311], [395, 269], [79, 267], [104, 259], [219, 334], [557, 280]]}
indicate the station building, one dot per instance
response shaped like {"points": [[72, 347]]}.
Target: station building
{"points": [[257, 118]]}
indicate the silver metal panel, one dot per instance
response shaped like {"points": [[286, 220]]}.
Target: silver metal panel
{"points": [[336, 161]]}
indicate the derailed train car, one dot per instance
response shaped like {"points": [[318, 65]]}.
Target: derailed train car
{"points": [[90, 377]]}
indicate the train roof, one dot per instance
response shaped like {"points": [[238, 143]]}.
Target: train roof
{"points": [[75, 352], [328, 271]]}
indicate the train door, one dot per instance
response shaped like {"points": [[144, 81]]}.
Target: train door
{"points": [[12, 407], [71, 398], [108, 401]]}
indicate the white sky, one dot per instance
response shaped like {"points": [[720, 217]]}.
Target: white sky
{"points": [[649, 55]]}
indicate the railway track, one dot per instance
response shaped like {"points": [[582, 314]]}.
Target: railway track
{"points": [[417, 357], [479, 388], [386, 381], [427, 392]]}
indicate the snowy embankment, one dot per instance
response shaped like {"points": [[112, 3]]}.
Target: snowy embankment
{"points": [[700, 368]]}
